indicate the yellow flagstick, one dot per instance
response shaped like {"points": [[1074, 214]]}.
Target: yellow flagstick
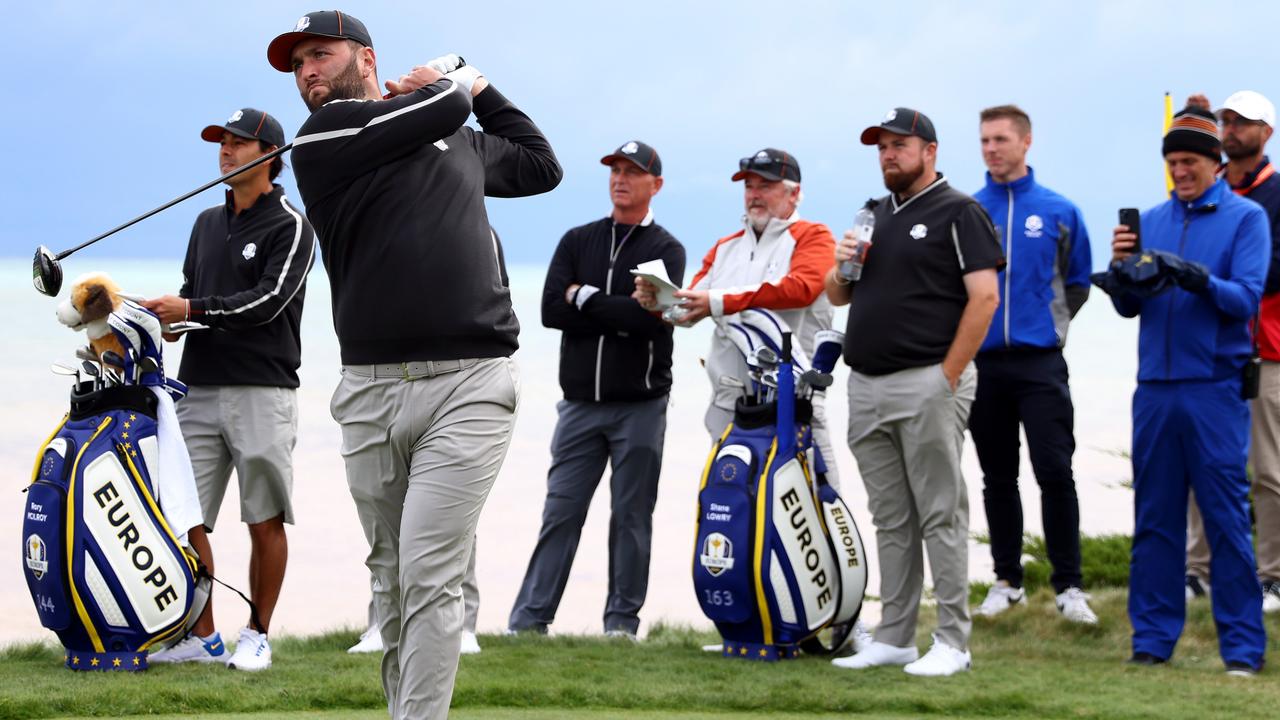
{"points": [[1168, 122]]}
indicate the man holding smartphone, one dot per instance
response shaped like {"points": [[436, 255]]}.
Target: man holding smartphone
{"points": [[1190, 422], [1247, 119], [1022, 376]]}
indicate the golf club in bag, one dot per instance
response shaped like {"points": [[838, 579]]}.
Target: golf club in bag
{"points": [[779, 565]]}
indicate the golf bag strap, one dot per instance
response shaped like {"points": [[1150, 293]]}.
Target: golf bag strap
{"points": [[253, 609]]}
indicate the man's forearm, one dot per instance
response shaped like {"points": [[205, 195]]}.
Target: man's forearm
{"points": [[974, 323], [837, 292]]}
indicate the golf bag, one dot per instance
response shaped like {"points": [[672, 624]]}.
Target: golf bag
{"points": [[778, 558]]}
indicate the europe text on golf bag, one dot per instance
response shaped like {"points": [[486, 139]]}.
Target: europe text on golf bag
{"points": [[105, 570], [778, 558]]}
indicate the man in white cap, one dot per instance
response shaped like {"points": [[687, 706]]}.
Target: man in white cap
{"points": [[1248, 119]]}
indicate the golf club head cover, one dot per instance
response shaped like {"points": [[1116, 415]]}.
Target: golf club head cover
{"points": [[1190, 276], [105, 569], [138, 329], [828, 346], [769, 329]]}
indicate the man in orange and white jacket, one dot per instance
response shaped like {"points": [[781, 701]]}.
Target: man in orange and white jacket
{"points": [[776, 262]]}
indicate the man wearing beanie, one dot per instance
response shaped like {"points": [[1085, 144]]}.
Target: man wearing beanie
{"points": [[1247, 119], [1190, 418]]}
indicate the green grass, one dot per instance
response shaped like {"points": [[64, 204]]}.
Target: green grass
{"points": [[1104, 563], [1027, 664]]}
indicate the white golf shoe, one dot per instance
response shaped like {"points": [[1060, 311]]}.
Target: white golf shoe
{"points": [[1073, 603], [940, 661], [876, 654], [253, 652], [370, 642], [1001, 597], [470, 645], [193, 648]]}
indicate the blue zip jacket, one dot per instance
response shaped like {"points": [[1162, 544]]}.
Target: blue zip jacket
{"points": [[1202, 336], [1046, 279]]}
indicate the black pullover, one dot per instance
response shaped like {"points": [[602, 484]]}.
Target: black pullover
{"points": [[611, 349], [246, 277], [395, 189]]}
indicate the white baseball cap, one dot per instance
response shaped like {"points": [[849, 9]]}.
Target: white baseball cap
{"points": [[1252, 106]]}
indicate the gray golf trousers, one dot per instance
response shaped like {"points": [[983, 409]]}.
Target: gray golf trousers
{"points": [[423, 443], [906, 430], [470, 597], [628, 436]]}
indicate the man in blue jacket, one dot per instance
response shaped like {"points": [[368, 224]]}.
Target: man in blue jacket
{"points": [[1190, 421], [1022, 376]]}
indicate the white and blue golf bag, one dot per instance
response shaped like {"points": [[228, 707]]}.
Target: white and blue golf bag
{"points": [[778, 564], [106, 571]]}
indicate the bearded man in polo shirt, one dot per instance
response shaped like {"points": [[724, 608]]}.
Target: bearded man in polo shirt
{"points": [[917, 317]]}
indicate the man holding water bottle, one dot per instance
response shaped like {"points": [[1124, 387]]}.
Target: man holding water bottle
{"points": [[918, 311]]}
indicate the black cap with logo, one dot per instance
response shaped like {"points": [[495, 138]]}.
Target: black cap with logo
{"points": [[250, 124], [902, 121], [770, 164], [644, 156], [322, 23]]}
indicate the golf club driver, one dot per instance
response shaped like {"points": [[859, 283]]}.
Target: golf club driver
{"points": [[46, 268]]}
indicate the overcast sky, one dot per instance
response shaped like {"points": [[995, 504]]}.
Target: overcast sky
{"points": [[108, 99]]}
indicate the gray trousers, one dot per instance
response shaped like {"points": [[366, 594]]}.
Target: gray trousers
{"points": [[470, 597], [628, 436], [906, 430], [422, 452], [717, 419]]}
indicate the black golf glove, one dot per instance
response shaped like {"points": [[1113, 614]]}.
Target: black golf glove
{"points": [[1190, 276]]}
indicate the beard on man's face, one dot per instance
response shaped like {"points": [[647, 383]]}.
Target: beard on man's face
{"points": [[1237, 149], [900, 180], [346, 85]]}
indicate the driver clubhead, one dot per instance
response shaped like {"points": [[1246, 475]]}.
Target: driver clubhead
{"points": [[46, 272]]}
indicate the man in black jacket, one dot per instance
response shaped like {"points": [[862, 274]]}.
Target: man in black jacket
{"points": [[395, 188], [615, 369], [245, 277]]}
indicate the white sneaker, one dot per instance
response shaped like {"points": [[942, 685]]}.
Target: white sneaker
{"points": [[253, 652], [876, 654], [193, 648], [941, 660], [862, 637], [1001, 597], [1073, 603], [470, 645], [718, 647], [1271, 597], [370, 642], [623, 634]]}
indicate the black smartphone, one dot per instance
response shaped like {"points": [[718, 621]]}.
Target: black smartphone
{"points": [[1131, 218]]}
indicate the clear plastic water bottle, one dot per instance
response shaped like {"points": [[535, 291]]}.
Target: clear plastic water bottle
{"points": [[675, 314], [864, 224]]}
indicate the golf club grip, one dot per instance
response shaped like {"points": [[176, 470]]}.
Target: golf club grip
{"points": [[243, 168]]}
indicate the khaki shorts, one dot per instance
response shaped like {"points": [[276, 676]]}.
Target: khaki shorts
{"points": [[250, 429]]}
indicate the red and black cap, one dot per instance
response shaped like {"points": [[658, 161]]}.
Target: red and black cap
{"points": [[770, 164], [644, 157], [902, 121], [250, 124], [322, 23]]}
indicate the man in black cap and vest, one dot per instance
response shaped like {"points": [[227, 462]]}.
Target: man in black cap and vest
{"points": [[245, 277], [615, 370], [395, 188], [917, 317]]}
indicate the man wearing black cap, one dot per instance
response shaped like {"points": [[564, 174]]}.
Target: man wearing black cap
{"points": [[615, 370], [395, 188], [245, 277], [917, 316], [776, 262], [1190, 410]]}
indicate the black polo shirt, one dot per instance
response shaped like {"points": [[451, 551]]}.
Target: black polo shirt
{"points": [[906, 308]]}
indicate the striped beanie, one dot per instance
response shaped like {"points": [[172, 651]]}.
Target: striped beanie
{"points": [[1194, 130]]}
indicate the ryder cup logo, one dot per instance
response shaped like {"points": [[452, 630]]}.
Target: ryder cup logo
{"points": [[1035, 226], [890, 117], [249, 251], [303, 23], [919, 231], [717, 554], [37, 556], [630, 148], [235, 117]]}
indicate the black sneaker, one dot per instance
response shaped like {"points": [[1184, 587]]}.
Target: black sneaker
{"points": [[1143, 658], [1236, 668], [1196, 588]]}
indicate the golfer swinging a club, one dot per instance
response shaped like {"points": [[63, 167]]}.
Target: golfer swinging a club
{"points": [[395, 189]]}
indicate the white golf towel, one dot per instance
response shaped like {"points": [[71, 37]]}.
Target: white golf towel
{"points": [[175, 483]]}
